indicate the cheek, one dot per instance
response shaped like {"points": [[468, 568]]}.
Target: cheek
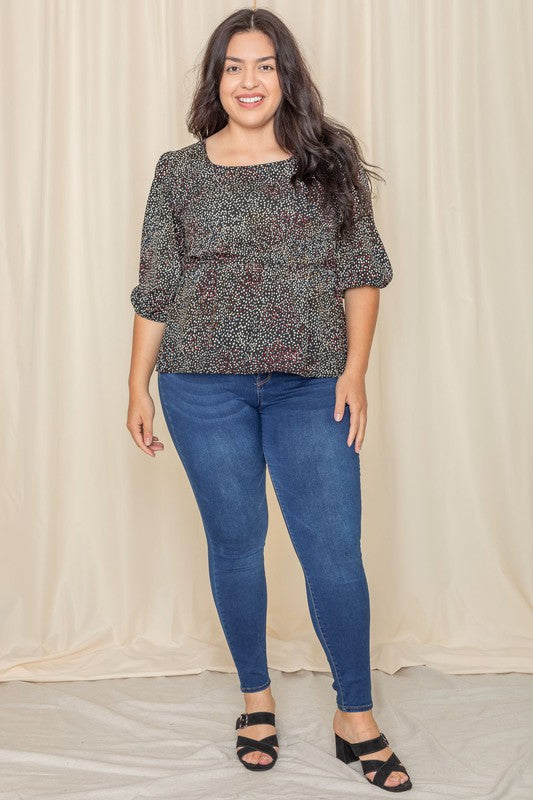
{"points": [[228, 84], [224, 86], [274, 89]]}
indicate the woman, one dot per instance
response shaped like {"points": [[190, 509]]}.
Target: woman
{"points": [[252, 237]]}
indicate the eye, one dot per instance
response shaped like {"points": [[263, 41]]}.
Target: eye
{"points": [[268, 67]]}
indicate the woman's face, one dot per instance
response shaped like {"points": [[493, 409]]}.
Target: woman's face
{"points": [[250, 70]]}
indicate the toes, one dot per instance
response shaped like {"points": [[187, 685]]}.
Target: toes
{"points": [[257, 757], [395, 778]]}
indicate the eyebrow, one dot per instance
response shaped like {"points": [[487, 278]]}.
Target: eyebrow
{"points": [[234, 58]]}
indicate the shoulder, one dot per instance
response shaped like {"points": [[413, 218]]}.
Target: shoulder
{"points": [[175, 172], [181, 159], [176, 169]]}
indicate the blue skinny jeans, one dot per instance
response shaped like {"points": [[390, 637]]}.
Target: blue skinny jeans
{"points": [[226, 428]]}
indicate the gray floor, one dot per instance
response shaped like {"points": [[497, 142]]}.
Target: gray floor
{"points": [[173, 738]]}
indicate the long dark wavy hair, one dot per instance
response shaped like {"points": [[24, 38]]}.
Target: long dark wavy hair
{"points": [[326, 150]]}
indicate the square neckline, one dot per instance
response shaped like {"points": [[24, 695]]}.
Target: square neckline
{"points": [[243, 166]]}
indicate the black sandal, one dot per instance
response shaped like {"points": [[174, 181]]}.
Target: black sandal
{"points": [[350, 751], [266, 745]]}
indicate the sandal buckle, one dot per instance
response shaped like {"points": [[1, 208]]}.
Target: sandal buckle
{"points": [[242, 722]]}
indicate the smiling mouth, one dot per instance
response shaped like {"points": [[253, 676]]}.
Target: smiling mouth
{"points": [[252, 101]]}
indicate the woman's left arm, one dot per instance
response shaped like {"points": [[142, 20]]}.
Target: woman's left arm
{"points": [[361, 309]]}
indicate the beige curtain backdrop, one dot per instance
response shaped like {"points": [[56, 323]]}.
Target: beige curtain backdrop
{"points": [[104, 560]]}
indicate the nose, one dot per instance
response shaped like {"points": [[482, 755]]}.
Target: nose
{"points": [[248, 80]]}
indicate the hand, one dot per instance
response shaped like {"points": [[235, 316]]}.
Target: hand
{"points": [[350, 390], [141, 411]]}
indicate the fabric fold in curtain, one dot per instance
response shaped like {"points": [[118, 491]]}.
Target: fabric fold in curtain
{"points": [[104, 561]]}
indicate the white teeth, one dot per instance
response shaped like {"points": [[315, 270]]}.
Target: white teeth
{"points": [[249, 99]]}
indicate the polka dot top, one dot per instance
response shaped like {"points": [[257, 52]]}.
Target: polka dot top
{"points": [[244, 270]]}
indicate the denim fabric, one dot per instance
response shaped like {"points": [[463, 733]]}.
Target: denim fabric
{"points": [[226, 428]]}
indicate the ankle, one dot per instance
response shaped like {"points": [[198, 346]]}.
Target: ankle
{"points": [[262, 700], [361, 720], [363, 717]]}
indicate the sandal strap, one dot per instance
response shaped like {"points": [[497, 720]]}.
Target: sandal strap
{"points": [[369, 746], [255, 718], [383, 769], [266, 745]]}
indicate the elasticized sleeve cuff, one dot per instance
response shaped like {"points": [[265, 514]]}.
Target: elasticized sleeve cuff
{"points": [[361, 258], [161, 246]]}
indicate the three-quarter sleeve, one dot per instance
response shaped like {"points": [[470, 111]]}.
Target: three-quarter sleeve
{"points": [[160, 251], [361, 258]]}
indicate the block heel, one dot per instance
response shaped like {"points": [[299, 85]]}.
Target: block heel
{"points": [[343, 750], [350, 751]]}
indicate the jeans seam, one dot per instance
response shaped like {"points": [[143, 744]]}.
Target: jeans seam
{"points": [[174, 435], [336, 672]]}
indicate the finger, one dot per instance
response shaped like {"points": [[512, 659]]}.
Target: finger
{"points": [[354, 424], [138, 438], [137, 431], [351, 434], [360, 432], [156, 445], [340, 405], [147, 432]]}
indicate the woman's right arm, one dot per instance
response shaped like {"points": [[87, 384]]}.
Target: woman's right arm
{"points": [[147, 335], [159, 279]]}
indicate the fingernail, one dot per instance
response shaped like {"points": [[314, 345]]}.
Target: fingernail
{"points": [[338, 416]]}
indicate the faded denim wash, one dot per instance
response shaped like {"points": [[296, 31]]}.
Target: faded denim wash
{"points": [[226, 428]]}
